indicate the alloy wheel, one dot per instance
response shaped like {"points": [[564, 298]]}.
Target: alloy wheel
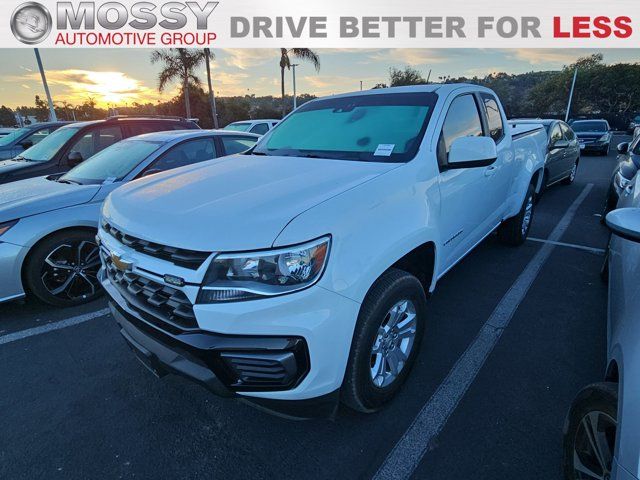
{"points": [[593, 447], [393, 343], [70, 271], [528, 214]]}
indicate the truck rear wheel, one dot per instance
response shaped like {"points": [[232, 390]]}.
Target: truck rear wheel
{"points": [[515, 230], [385, 342]]}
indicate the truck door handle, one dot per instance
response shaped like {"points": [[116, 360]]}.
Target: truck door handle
{"points": [[489, 171]]}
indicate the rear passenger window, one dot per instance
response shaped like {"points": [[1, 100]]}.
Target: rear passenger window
{"points": [[556, 135], [187, 153], [463, 120], [568, 133], [260, 129], [494, 118], [136, 129], [233, 145]]}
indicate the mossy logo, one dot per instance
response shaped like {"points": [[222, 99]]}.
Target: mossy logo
{"points": [[31, 23]]}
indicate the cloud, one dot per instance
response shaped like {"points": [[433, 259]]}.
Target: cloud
{"points": [[332, 84], [246, 58], [536, 56], [413, 56], [106, 88], [26, 86]]}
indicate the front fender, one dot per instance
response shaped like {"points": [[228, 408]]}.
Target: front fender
{"points": [[372, 227]]}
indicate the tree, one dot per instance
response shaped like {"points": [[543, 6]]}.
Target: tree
{"points": [[7, 117], [304, 54], [212, 98], [178, 64], [408, 76]]}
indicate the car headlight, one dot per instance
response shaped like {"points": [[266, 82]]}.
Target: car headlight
{"points": [[251, 275], [604, 138], [6, 226], [621, 181]]}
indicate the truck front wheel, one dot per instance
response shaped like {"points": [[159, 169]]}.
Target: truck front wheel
{"points": [[385, 342], [514, 231]]}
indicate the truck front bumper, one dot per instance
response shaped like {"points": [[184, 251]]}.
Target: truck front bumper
{"points": [[232, 365]]}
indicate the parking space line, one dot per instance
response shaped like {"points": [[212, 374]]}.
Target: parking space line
{"points": [[50, 327], [406, 455], [599, 251]]}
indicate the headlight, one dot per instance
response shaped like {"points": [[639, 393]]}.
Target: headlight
{"points": [[246, 276], [604, 138], [621, 181], [6, 226]]}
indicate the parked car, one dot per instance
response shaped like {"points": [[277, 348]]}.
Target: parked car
{"points": [[633, 124], [296, 274], [593, 135], [259, 127], [6, 131], [623, 173], [48, 224], [563, 151], [70, 145], [601, 430], [17, 140]]}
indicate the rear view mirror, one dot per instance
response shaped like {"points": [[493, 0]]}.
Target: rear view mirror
{"points": [[625, 223], [26, 144], [469, 152], [623, 148], [75, 158], [560, 144], [152, 171]]}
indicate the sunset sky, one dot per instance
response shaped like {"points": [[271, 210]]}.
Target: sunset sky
{"points": [[116, 77]]}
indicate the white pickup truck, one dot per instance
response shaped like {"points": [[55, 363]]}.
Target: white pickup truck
{"points": [[296, 274]]}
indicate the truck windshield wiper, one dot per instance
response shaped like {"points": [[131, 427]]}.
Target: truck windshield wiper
{"points": [[70, 182]]}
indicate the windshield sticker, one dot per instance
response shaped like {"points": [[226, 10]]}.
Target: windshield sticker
{"points": [[384, 150]]}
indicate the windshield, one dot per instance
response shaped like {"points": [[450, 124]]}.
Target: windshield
{"points": [[238, 127], [590, 126], [113, 163], [48, 147], [370, 128], [11, 137]]}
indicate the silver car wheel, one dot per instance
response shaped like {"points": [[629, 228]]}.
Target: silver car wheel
{"points": [[593, 446], [393, 343], [528, 213]]}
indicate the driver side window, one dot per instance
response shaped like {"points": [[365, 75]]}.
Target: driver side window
{"points": [[463, 120]]}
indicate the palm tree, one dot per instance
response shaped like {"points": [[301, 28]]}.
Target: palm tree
{"points": [[304, 54], [179, 64], [212, 98]]}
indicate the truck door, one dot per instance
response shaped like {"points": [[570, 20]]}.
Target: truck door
{"points": [[501, 174], [467, 206]]}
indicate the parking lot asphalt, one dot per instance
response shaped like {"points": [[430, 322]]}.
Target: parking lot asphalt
{"points": [[77, 404]]}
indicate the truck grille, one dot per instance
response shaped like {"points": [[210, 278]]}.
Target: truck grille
{"points": [[183, 258], [164, 306]]}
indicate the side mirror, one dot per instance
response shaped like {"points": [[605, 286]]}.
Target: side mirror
{"points": [[26, 144], [625, 223], [469, 152], [560, 144], [623, 148], [75, 158]]}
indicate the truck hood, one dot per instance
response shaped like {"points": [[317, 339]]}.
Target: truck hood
{"points": [[235, 203], [39, 195], [7, 166]]}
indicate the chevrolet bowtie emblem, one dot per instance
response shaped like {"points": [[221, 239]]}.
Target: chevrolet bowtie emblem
{"points": [[120, 263]]}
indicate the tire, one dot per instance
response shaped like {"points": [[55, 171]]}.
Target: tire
{"points": [[609, 204], [572, 176], [53, 274], [597, 403], [514, 231], [605, 151], [365, 387]]}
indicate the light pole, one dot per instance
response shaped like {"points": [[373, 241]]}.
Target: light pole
{"points": [[295, 100], [52, 111], [573, 86]]}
